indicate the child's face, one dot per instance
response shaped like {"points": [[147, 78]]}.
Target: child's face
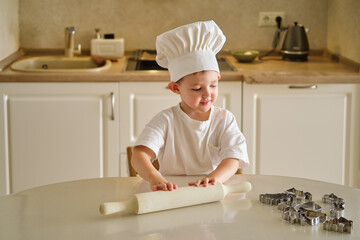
{"points": [[198, 93]]}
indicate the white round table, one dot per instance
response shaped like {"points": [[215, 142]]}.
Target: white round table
{"points": [[70, 210]]}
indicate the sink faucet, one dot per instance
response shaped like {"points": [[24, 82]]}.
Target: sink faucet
{"points": [[69, 42]]}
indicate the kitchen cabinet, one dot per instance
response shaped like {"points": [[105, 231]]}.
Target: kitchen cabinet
{"points": [[141, 101], [54, 132], [303, 131]]}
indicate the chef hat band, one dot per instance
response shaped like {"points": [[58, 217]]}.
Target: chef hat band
{"points": [[190, 48]]}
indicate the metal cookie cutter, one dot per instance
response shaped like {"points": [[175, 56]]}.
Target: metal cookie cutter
{"points": [[284, 205], [291, 195], [274, 199], [293, 216], [338, 205], [338, 225], [308, 212], [313, 218], [296, 197], [337, 210], [299, 196], [308, 206], [330, 198]]}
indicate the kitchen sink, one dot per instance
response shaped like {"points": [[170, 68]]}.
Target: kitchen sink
{"points": [[47, 64], [142, 65], [145, 61], [146, 65]]}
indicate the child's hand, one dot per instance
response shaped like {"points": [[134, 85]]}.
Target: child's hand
{"points": [[165, 186], [205, 182], [158, 182]]}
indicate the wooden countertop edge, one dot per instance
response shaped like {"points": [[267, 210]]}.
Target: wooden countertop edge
{"points": [[247, 75], [146, 77], [302, 79], [102, 77]]}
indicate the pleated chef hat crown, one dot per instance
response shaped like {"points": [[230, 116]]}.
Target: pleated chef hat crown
{"points": [[190, 48]]}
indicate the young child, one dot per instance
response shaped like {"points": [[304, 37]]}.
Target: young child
{"points": [[194, 137]]}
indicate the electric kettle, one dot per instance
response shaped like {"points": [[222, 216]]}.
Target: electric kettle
{"points": [[295, 45]]}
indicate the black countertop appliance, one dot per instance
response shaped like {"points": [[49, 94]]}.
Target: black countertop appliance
{"points": [[295, 46]]}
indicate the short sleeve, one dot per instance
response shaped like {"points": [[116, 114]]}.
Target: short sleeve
{"points": [[153, 135], [233, 143]]}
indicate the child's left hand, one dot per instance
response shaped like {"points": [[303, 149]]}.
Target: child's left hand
{"points": [[205, 182]]}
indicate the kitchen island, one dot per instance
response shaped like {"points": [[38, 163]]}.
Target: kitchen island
{"points": [[70, 210]]}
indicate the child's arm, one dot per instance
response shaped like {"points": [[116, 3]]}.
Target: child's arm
{"points": [[226, 169], [141, 162]]}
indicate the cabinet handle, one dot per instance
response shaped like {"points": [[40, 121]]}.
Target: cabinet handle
{"points": [[112, 106], [313, 86]]}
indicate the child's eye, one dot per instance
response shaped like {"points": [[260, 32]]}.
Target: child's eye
{"points": [[213, 86], [196, 89]]}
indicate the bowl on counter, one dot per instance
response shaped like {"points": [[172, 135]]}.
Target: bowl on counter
{"points": [[245, 55]]}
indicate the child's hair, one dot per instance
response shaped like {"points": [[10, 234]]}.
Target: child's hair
{"points": [[181, 79]]}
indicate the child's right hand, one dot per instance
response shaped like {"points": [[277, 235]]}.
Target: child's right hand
{"points": [[141, 161], [158, 182], [164, 186]]}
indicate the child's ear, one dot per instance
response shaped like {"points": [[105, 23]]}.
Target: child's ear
{"points": [[219, 76], [174, 87]]}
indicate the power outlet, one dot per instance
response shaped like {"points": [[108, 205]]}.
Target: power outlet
{"points": [[267, 19]]}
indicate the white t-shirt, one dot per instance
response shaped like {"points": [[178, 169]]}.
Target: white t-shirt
{"points": [[184, 146]]}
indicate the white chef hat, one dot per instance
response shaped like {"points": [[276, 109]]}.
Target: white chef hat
{"points": [[190, 48]]}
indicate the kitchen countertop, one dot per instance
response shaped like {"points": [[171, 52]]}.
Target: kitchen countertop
{"points": [[272, 70], [317, 70], [70, 211]]}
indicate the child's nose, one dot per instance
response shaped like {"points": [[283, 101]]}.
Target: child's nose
{"points": [[207, 92]]}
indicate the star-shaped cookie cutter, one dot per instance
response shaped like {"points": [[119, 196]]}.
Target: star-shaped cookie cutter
{"points": [[338, 225]]}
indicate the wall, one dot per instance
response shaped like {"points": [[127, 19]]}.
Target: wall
{"points": [[42, 22], [9, 27], [343, 28]]}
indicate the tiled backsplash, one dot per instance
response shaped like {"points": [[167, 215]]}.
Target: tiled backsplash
{"points": [[332, 24], [140, 21]]}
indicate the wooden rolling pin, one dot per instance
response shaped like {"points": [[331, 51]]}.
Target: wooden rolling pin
{"points": [[182, 197]]}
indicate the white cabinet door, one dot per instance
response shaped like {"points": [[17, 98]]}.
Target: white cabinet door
{"points": [[304, 132], [54, 132], [141, 101]]}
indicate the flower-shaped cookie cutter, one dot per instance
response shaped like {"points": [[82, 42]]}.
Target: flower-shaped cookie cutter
{"points": [[338, 225]]}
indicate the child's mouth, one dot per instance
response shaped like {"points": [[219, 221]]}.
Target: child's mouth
{"points": [[205, 103]]}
